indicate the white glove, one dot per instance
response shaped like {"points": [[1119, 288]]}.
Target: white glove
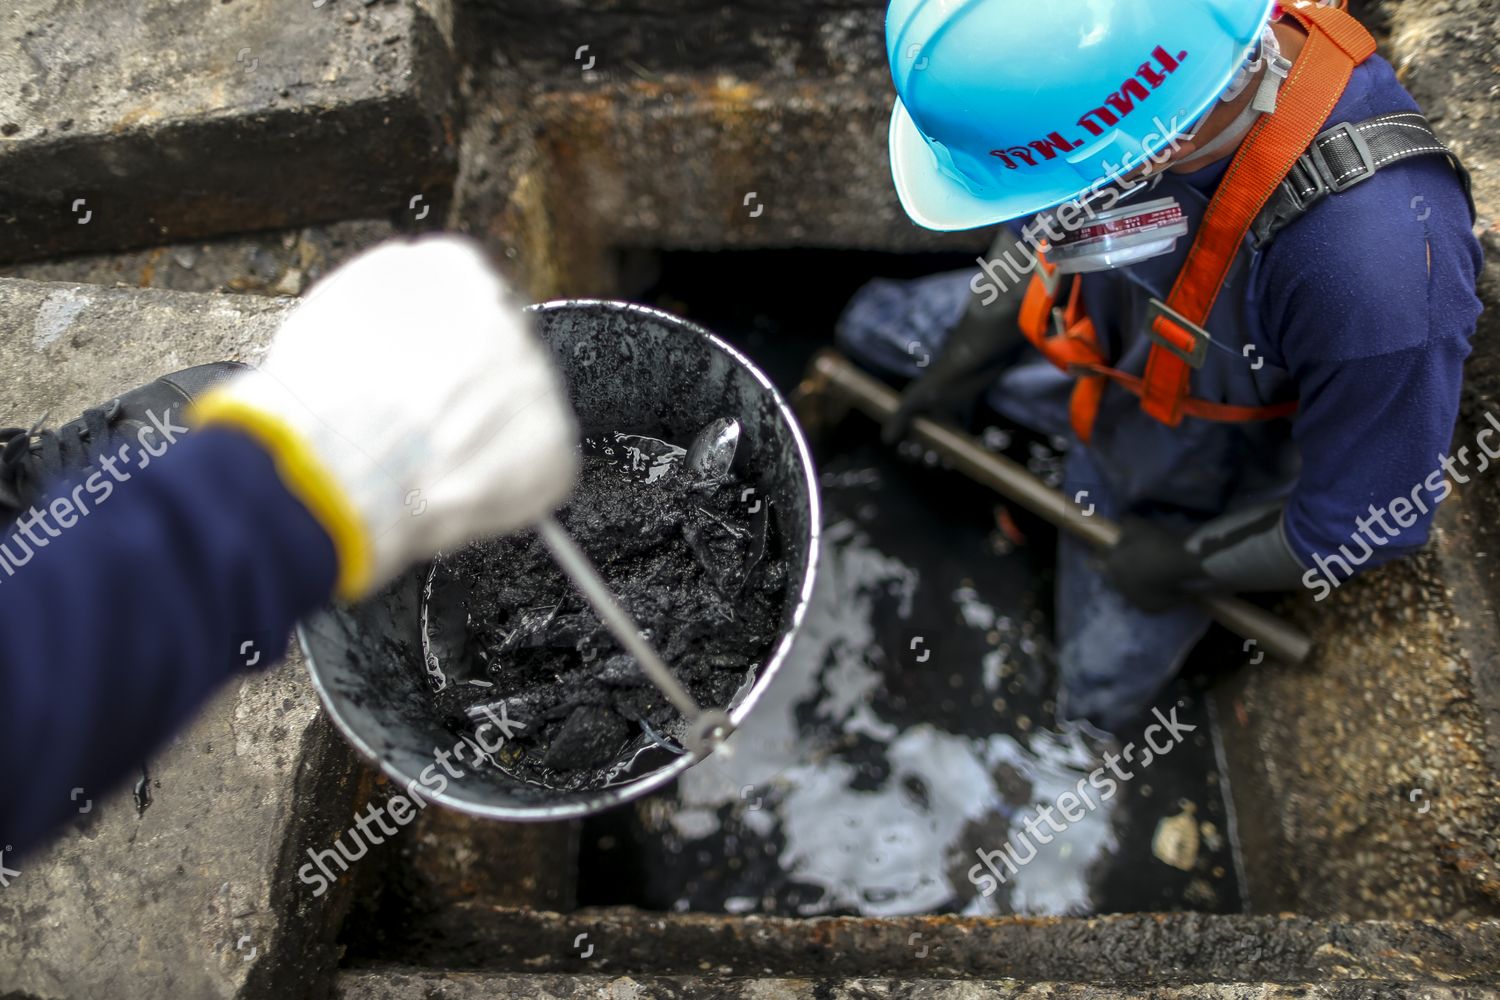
{"points": [[411, 407]]}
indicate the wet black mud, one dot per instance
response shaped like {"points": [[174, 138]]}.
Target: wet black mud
{"points": [[697, 565]]}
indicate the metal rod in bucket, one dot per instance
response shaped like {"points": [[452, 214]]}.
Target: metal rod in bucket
{"points": [[706, 728], [834, 374]]}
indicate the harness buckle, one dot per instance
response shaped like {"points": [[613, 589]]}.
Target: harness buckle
{"points": [[1059, 322], [1304, 184], [1201, 337], [1051, 280], [1336, 182]]}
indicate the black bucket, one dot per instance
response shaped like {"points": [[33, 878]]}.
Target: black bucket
{"points": [[627, 367]]}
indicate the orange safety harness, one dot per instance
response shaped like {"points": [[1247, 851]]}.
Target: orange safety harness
{"points": [[1336, 44]]}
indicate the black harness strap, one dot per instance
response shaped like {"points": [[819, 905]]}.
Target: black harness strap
{"points": [[1344, 156]]}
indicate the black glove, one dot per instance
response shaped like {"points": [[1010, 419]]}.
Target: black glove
{"points": [[984, 344], [1248, 550], [1152, 566]]}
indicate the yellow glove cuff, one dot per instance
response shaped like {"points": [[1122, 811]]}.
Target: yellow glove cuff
{"points": [[307, 479]]}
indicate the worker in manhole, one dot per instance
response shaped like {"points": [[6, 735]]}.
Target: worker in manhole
{"points": [[1239, 279], [405, 407]]}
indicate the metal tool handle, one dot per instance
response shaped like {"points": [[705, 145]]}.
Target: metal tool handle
{"points": [[836, 375], [706, 728]]}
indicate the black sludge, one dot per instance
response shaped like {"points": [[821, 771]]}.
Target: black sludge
{"points": [[695, 560]]}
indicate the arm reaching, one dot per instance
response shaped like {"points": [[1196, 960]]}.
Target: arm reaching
{"points": [[121, 626], [404, 407]]}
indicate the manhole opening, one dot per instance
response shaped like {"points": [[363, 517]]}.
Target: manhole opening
{"points": [[915, 727], [919, 725]]}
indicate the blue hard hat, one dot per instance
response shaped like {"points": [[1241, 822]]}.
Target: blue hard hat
{"points": [[1009, 107]]}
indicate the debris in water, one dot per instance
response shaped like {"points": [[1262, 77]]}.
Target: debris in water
{"points": [[692, 557], [1176, 840], [143, 792]]}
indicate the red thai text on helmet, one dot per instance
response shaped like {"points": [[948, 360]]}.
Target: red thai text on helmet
{"points": [[1115, 109]]}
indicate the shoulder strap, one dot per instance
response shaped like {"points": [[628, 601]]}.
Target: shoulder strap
{"points": [[1346, 155], [1336, 43]]}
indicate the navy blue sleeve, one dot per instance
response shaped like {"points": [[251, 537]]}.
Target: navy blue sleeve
{"points": [[119, 627], [1370, 303]]}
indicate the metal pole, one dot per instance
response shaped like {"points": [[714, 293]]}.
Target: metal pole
{"points": [[705, 728], [836, 375], [574, 563]]}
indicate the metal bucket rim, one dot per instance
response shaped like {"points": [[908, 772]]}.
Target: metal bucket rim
{"points": [[606, 798]]}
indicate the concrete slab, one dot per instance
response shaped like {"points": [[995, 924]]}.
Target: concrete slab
{"points": [[444, 858], [404, 984], [283, 263], [643, 39], [1363, 776], [149, 121], [196, 896], [557, 182], [1161, 949], [451, 858]]}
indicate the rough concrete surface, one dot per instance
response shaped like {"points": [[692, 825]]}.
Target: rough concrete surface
{"points": [[148, 121], [1443, 50], [196, 896], [685, 124], [451, 857], [647, 39], [412, 984], [557, 183], [1362, 775], [1445, 53], [1159, 948], [262, 264], [444, 858]]}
